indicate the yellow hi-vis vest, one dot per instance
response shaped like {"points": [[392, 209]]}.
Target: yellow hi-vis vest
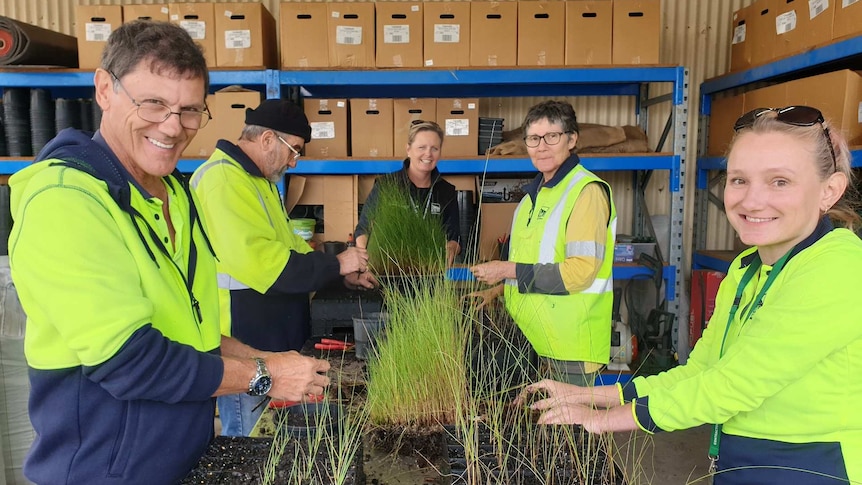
{"points": [[571, 327]]}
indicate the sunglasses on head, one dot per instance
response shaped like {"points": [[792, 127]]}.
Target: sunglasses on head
{"points": [[790, 115]]}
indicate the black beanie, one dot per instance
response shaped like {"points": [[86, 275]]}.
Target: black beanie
{"points": [[280, 115]]}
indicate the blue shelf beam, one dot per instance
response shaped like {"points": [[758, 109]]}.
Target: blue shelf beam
{"points": [[476, 165], [702, 261], [806, 61], [621, 272], [620, 81]]}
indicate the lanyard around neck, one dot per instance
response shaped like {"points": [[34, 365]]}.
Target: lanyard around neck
{"points": [[753, 268], [427, 202]]}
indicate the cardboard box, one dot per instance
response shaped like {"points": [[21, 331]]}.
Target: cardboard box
{"points": [[491, 27], [447, 34], [94, 25], [740, 45], [704, 288], [304, 40], [228, 110], [541, 25], [847, 19], [589, 32], [407, 111], [762, 33], [637, 31], [459, 119], [774, 96], [328, 120], [337, 195], [198, 19], [399, 34], [725, 112], [495, 221], [245, 34], [350, 29], [801, 25], [838, 95], [159, 13], [371, 128]]}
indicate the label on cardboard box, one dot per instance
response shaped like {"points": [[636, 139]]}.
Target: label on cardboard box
{"points": [[457, 127], [847, 3], [321, 130], [739, 34], [396, 34], [785, 22], [237, 39], [197, 30], [349, 35], [447, 33], [859, 113], [98, 32], [817, 7]]}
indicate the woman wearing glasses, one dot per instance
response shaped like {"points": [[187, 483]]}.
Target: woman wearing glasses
{"points": [[430, 193], [777, 370], [558, 283]]}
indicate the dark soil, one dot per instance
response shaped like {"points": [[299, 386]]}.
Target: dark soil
{"points": [[241, 461]]}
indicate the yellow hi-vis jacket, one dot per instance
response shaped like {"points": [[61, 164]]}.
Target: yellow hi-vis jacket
{"points": [[562, 326]]}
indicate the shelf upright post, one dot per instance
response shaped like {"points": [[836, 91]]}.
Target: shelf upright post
{"points": [[678, 305]]}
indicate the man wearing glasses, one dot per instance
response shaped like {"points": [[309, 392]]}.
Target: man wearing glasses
{"points": [[118, 279], [265, 271]]}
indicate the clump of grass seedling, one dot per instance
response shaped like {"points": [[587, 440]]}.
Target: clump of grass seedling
{"points": [[419, 370], [404, 239]]}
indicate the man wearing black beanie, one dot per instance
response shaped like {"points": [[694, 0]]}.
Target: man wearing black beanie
{"points": [[266, 272]]}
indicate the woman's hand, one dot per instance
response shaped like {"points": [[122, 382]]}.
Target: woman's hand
{"points": [[493, 272], [486, 297]]}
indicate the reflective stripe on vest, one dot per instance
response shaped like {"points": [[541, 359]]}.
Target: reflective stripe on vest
{"points": [[228, 282], [198, 176]]}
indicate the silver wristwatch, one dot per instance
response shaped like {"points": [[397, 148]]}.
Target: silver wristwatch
{"points": [[261, 383]]}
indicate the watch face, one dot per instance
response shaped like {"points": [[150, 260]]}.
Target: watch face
{"points": [[261, 386]]}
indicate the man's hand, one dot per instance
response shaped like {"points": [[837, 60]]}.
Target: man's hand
{"points": [[359, 281], [294, 376], [352, 260]]}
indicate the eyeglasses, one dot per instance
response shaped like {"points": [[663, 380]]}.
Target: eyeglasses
{"points": [[296, 154], [155, 112], [790, 115], [551, 138]]}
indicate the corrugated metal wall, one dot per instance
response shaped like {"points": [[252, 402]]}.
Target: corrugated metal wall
{"points": [[695, 34]]}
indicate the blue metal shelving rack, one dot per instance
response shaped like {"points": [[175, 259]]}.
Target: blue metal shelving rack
{"points": [[601, 81], [842, 54]]}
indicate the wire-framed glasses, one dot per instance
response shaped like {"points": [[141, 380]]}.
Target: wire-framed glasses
{"points": [[156, 112], [791, 115], [551, 138], [296, 154]]}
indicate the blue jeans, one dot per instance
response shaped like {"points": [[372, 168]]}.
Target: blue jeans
{"points": [[235, 412]]}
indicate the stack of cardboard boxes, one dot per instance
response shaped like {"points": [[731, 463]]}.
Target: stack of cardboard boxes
{"points": [[772, 29], [399, 34]]}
